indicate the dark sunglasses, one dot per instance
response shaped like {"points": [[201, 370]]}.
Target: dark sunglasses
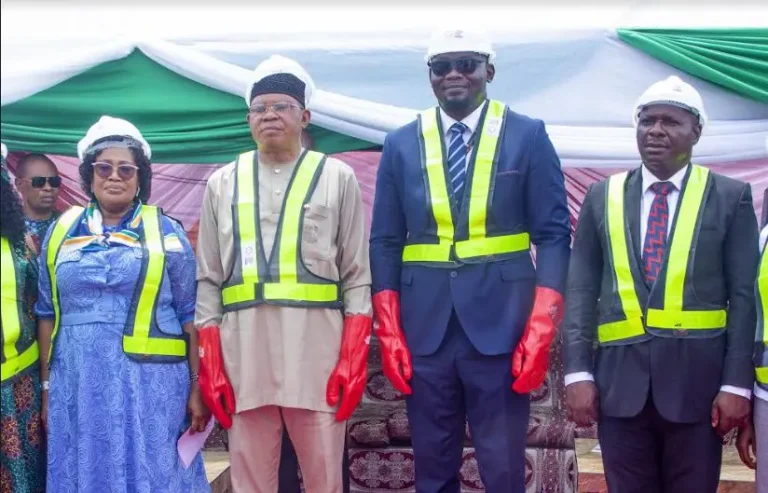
{"points": [[125, 171], [39, 181], [464, 66]]}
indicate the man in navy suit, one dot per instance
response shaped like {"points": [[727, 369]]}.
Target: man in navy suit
{"points": [[464, 319]]}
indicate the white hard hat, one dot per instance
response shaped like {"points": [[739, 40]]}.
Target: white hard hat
{"points": [[108, 126], [459, 40], [673, 91], [3, 150], [277, 64]]}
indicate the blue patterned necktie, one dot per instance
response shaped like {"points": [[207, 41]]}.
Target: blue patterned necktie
{"points": [[656, 233], [457, 161]]}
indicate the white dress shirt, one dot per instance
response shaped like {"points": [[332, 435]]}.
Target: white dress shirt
{"points": [[759, 392], [646, 201], [471, 121]]}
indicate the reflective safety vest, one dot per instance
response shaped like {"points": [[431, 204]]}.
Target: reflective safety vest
{"points": [[637, 321], [761, 335], [16, 357], [284, 280], [444, 246], [139, 341]]}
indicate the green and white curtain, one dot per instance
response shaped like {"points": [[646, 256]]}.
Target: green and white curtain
{"points": [[186, 98]]}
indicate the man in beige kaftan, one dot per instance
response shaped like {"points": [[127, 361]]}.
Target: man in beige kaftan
{"points": [[283, 305]]}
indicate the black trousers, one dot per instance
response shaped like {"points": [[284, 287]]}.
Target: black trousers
{"points": [[648, 454], [288, 475]]}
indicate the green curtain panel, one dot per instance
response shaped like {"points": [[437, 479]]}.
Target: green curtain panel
{"points": [[184, 121], [736, 59]]}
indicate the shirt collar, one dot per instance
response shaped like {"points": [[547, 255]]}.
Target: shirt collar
{"points": [[471, 121], [676, 179]]}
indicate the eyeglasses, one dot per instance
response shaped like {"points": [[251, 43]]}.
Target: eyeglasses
{"points": [[260, 110], [125, 171], [463, 66], [39, 181]]}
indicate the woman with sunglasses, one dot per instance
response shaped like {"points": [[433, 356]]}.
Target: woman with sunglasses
{"points": [[22, 448], [117, 299], [38, 182]]}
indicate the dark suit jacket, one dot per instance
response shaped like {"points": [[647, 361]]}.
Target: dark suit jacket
{"points": [[683, 374], [492, 300]]}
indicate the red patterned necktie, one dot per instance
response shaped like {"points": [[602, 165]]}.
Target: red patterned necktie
{"points": [[656, 233]]}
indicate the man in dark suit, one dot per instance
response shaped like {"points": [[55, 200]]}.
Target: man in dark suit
{"points": [[461, 193], [660, 313]]}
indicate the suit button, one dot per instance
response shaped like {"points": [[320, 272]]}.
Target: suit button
{"points": [[454, 274]]}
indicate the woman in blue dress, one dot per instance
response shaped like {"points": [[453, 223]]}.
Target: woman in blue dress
{"points": [[117, 297]]}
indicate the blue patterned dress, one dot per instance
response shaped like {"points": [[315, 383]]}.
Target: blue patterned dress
{"points": [[113, 422]]}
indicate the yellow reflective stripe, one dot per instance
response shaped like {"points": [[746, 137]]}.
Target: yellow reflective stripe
{"points": [[139, 341], [301, 291], [438, 189], [292, 214], [493, 245], [482, 172], [9, 302], [59, 233], [238, 293], [761, 374], [246, 218], [426, 252], [686, 319], [673, 316], [477, 244], [679, 251], [154, 346], [622, 329], [19, 363], [287, 286], [625, 284], [762, 294]]}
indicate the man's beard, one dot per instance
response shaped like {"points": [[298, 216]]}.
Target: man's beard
{"points": [[456, 105]]}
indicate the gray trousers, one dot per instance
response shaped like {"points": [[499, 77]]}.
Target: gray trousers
{"points": [[761, 431]]}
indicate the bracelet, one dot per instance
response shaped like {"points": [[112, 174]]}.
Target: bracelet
{"points": [[46, 384], [193, 377]]}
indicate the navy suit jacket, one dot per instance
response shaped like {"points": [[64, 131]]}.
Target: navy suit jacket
{"points": [[492, 300]]}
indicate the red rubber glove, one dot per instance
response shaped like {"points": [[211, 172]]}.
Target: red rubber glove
{"points": [[530, 361], [215, 389], [395, 357], [349, 376]]}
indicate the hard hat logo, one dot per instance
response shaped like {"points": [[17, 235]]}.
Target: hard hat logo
{"points": [[457, 34]]}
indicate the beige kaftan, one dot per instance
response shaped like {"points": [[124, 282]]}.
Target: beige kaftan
{"points": [[277, 355]]}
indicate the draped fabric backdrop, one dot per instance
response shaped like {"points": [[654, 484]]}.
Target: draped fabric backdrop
{"points": [[178, 188]]}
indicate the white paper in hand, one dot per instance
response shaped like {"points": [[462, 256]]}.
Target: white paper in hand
{"points": [[189, 445]]}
